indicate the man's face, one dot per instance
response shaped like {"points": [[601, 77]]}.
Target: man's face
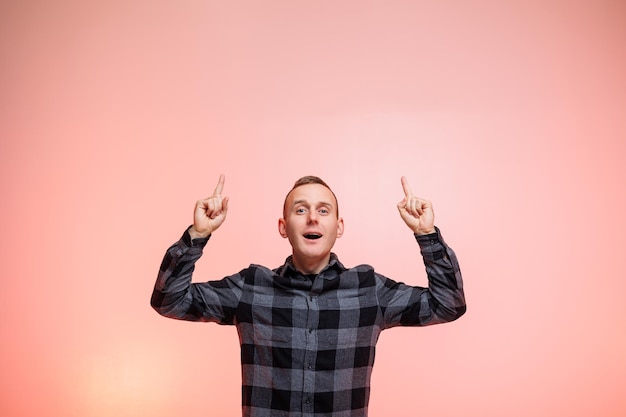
{"points": [[310, 223]]}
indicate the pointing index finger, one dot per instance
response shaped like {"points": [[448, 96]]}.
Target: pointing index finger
{"points": [[220, 185], [405, 187]]}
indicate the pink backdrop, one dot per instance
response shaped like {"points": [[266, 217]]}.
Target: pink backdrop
{"points": [[115, 116]]}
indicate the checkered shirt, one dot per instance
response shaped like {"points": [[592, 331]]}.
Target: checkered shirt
{"points": [[308, 342]]}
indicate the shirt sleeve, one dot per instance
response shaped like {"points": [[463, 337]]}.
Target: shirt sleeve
{"points": [[175, 296], [442, 301]]}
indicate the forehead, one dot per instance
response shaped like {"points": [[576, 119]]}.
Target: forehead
{"points": [[312, 194]]}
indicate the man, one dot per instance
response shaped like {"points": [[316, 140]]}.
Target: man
{"points": [[308, 328]]}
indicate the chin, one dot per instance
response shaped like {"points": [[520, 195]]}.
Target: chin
{"points": [[314, 253]]}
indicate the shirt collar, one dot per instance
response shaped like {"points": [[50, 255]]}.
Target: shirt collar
{"points": [[288, 268]]}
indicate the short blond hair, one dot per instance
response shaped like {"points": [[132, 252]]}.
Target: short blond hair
{"points": [[309, 179]]}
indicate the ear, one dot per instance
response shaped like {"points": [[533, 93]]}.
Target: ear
{"points": [[339, 227], [282, 227]]}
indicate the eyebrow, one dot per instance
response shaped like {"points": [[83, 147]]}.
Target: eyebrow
{"points": [[323, 203]]}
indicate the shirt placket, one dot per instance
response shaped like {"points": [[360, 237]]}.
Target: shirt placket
{"points": [[312, 343]]}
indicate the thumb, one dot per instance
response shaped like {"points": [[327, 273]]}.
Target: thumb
{"points": [[225, 206]]}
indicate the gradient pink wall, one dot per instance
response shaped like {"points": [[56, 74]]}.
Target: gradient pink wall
{"points": [[116, 116]]}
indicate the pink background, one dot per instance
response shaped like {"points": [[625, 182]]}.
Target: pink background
{"points": [[115, 116]]}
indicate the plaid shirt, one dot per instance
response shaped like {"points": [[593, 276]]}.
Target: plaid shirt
{"points": [[308, 342]]}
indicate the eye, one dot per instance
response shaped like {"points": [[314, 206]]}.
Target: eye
{"points": [[300, 210], [324, 211]]}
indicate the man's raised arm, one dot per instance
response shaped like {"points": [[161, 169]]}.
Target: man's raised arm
{"points": [[174, 295]]}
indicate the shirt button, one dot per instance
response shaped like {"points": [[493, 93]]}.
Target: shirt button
{"points": [[307, 401]]}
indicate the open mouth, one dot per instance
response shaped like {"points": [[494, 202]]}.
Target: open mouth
{"points": [[312, 236]]}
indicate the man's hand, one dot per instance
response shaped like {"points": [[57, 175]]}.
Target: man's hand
{"points": [[417, 213], [209, 213]]}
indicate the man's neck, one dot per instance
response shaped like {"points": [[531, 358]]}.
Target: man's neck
{"points": [[310, 266]]}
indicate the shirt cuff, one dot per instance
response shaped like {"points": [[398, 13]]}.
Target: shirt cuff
{"points": [[432, 246], [194, 243], [429, 238]]}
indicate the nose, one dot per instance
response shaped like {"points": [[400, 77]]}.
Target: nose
{"points": [[312, 216]]}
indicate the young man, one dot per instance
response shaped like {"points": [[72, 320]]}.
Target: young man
{"points": [[308, 329]]}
